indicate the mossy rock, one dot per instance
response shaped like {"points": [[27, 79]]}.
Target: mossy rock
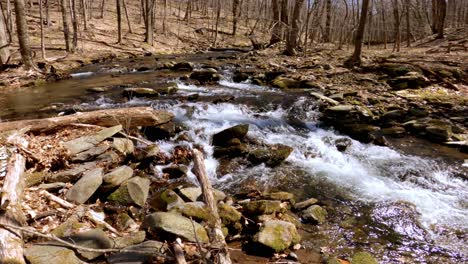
{"points": [[363, 258], [228, 214], [277, 235], [196, 210], [281, 196], [396, 69], [272, 156], [315, 214], [262, 207]]}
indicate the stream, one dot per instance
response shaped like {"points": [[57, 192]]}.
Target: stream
{"points": [[401, 204]]}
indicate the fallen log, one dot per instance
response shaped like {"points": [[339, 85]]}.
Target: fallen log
{"points": [[127, 117], [11, 240], [215, 232]]}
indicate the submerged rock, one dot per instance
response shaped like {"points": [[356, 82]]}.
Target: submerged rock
{"points": [[176, 224], [277, 235], [271, 156], [224, 137]]}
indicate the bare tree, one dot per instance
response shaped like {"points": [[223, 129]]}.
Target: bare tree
{"points": [[119, 20], [276, 32], [23, 35], [355, 59], [4, 44], [292, 41], [66, 29], [41, 24], [327, 32], [439, 11]]}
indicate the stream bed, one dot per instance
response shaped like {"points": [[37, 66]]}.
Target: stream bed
{"points": [[400, 204]]}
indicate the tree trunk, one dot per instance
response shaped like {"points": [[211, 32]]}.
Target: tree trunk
{"points": [[235, 14], [327, 32], [4, 45], [408, 25], [164, 16], [355, 59], [149, 11], [128, 117], [284, 19], [103, 7], [276, 32], [127, 17], [85, 15], [397, 28], [119, 21], [74, 21], [23, 35], [9, 20], [66, 29], [41, 16], [292, 41], [439, 11], [218, 13]]}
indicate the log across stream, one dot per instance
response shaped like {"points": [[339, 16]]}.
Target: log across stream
{"points": [[388, 201]]}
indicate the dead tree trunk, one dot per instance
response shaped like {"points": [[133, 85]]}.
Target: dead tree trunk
{"points": [[284, 19], [66, 29], [218, 13], [23, 35], [103, 7], [214, 225], [85, 15], [355, 59], [4, 43], [397, 29], [11, 241], [292, 41]]}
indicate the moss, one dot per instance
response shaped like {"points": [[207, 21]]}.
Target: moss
{"points": [[363, 258], [196, 210], [228, 214], [120, 196]]}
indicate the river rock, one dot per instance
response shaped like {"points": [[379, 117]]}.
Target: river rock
{"points": [[324, 98], [195, 210], [78, 145], [124, 222], [176, 224], [271, 156], [85, 187], [176, 171], [262, 207], [411, 80], [281, 196], [164, 131], [124, 145], [224, 137], [395, 131], [363, 258], [195, 194], [342, 144], [139, 92], [228, 214], [277, 235], [44, 254], [90, 153], [166, 200], [183, 66], [95, 239], [117, 176], [205, 75], [398, 69], [438, 132], [145, 253], [286, 83], [231, 151], [315, 213], [305, 204]]}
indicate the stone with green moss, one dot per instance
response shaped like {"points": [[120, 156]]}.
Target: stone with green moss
{"points": [[363, 258], [120, 196], [315, 213], [277, 235], [262, 207], [281, 196], [272, 156], [195, 210], [228, 214]]}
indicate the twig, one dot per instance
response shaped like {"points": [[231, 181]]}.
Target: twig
{"points": [[203, 254], [179, 252], [56, 199], [98, 221], [74, 246]]}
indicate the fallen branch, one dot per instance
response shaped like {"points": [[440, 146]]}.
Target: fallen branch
{"points": [[146, 142], [214, 224], [127, 117], [179, 252], [56, 199]]}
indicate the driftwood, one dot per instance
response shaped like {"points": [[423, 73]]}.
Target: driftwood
{"points": [[214, 225], [127, 117], [11, 241]]}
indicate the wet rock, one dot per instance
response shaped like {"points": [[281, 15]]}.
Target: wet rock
{"points": [[183, 66], [176, 224], [271, 156], [394, 131], [145, 252], [363, 258], [324, 98], [228, 214], [109, 157], [231, 151], [98, 89], [205, 75], [380, 141], [342, 144], [139, 92], [72, 174], [44, 254], [85, 187], [314, 214], [362, 132], [222, 138], [124, 145], [394, 115], [412, 80], [117, 176], [78, 145], [286, 83], [195, 210], [280, 196], [195, 194], [176, 171], [305, 204], [277, 235], [164, 131], [95, 239], [90, 154], [262, 207], [438, 132], [240, 76]]}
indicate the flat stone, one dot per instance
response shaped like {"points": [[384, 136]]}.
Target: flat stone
{"points": [[176, 224], [262, 207], [138, 189], [146, 251], [84, 143], [130, 239], [195, 210], [72, 174], [90, 153], [95, 239], [85, 187], [117, 176], [305, 204], [315, 214], [324, 98], [43, 254], [139, 92]]}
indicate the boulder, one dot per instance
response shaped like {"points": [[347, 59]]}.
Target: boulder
{"points": [[139, 92], [224, 137], [183, 66], [129, 239], [195, 210], [195, 194], [164, 131], [271, 156], [124, 145], [81, 144], [228, 214], [314, 214], [438, 132], [95, 239], [230, 151], [305, 204], [398, 69], [70, 175], [280, 196], [133, 191], [44, 254], [166, 200], [342, 144], [288, 83], [277, 235], [261, 207], [85, 187], [117, 176], [144, 253], [205, 75], [412, 80], [90, 153], [395, 131], [176, 224]]}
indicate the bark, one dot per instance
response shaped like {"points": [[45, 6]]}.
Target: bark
{"points": [[214, 224], [355, 59], [326, 35], [149, 22], [128, 117], [85, 14], [41, 24], [235, 15], [23, 35], [292, 41], [439, 11], [397, 28], [126, 16], [103, 8], [119, 21], [11, 241], [4, 45], [218, 13], [74, 21], [276, 32], [284, 19], [66, 29], [408, 24]]}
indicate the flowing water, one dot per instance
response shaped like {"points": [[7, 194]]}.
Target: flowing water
{"points": [[405, 208]]}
